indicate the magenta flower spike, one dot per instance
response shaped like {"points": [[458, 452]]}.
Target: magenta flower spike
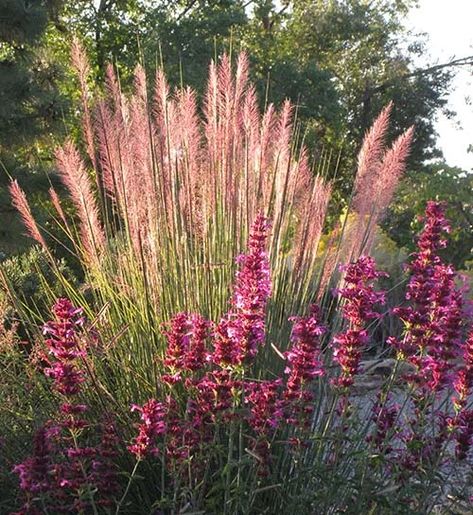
{"points": [[241, 332], [360, 299], [433, 317], [152, 425]]}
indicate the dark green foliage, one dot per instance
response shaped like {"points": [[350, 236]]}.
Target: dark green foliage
{"points": [[31, 107], [444, 183], [30, 276], [22, 21], [29, 101]]}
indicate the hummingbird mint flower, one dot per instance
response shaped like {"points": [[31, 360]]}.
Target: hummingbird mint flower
{"points": [[241, 332], [360, 299], [433, 315]]}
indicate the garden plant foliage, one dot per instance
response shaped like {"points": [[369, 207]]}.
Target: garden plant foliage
{"points": [[211, 362]]}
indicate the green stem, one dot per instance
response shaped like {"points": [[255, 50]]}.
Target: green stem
{"points": [[122, 500], [90, 495]]}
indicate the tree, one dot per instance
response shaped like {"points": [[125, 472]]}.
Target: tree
{"points": [[31, 107], [440, 182], [340, 61], [360, 47], [29, 100]]}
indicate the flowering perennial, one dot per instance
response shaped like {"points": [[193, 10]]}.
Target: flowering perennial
{"points": [[186, 336], [153, 425], [304, 362], [241, 332], [433, 318], [464, 378], [219, 410], [61, 472], [360, 298], [63, 344]]}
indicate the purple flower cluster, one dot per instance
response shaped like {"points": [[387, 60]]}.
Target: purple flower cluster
{"points": [[241, 332], [153, 425], [433, 317], [266, 406], [464, 378], [34, 472], [462, 423], [61, 470], [266, 412], [304, 361], [63, 344], [358, 309], [186, 336], [463, 428]]}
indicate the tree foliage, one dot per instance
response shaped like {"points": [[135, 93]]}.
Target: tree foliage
{"points": [[29, 100], [444, 183], [339, 61]]}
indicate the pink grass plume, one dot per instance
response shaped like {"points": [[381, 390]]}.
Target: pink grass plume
{"points": [[21, 204]]}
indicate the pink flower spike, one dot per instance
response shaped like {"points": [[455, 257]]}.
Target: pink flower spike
{"points": [[153, 425], [360, 298]]}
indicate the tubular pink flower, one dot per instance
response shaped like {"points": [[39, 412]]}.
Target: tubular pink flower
{"points": [[104, 472], [67, 378], [63, 343], [61, 465], [62, 339], [35, 471], [433, 318], [186, 336], [463, 433], [240, 333], [360, 298], [304, 364], [464, 378], [153, 425], [304, 357], [266, 406]]}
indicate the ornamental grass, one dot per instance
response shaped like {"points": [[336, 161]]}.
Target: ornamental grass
{"points": [[210, 362]]}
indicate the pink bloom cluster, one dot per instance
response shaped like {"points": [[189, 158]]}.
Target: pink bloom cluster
{"points": [[433, 318], [153, 425], [462, 422], [464, 378], [34, 471], [212, 397], [63, 344], [463, 428], [240, 333], [304, 362], [266, 406], [182, 432], [235, 339], [266, 413], [60, 469], [186, 336], [360, 298]]}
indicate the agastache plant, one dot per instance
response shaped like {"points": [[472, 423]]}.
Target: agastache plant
{"points": [[433, 315], [186, 336], [304, 365], [211, 417], [241, 332], [69, 477], [360, 299]]}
